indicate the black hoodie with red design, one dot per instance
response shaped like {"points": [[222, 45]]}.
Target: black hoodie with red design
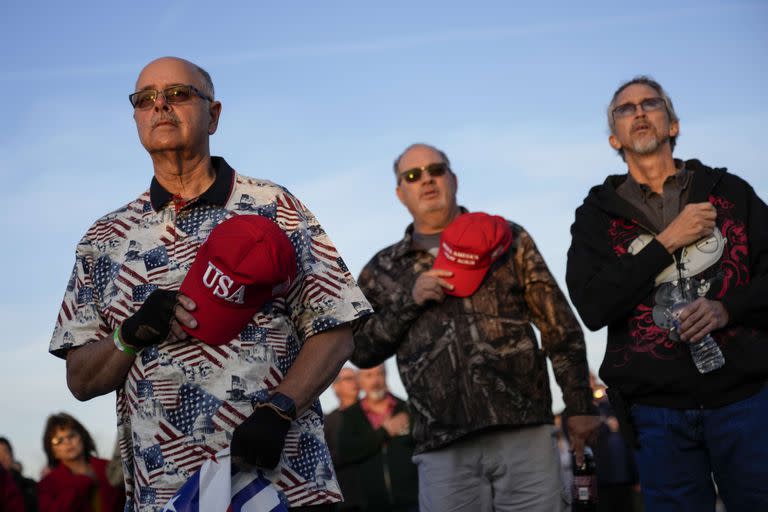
{"points": [[618, 276]]}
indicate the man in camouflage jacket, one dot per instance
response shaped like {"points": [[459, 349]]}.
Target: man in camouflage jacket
{"points": [[475, 375]]}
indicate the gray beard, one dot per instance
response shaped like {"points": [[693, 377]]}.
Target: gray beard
{"points": [[648, 146], [377, 395]]}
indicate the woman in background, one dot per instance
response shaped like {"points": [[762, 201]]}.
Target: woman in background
{"points": [[77, 480]]}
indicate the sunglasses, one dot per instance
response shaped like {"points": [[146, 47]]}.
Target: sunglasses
{"points": [[56, 441], [647, 105], [145, 99], [414, 175]]}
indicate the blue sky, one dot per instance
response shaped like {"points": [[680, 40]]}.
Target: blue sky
{"points": [[320, 97]]}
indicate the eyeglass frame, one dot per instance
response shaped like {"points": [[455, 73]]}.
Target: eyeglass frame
{"points": [[59, 440], [191, 87], [642, 104], [418, 171]]}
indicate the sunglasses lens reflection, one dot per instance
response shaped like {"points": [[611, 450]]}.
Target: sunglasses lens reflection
{"points": [[412, 175], [434, 170], [144, 99], [177, 94]]}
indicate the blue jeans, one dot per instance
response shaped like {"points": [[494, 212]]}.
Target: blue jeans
{"points": [[682, 450]]}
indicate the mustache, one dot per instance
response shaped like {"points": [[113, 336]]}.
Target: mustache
{"points": [[168, 117], [640, 122]]}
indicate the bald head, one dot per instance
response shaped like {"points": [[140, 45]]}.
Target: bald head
{"points": [[419, 146], [179, 126], [204, 82]]}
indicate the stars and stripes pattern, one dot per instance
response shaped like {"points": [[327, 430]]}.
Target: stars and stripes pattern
{"points": [[253, 335], [181, 400], [288, 212], [174, 446], [117, 224], [291, 448], [320, 285], [156, 262], [227, 417], [163, 390], [298, 490], [71, 301], [196, 354]]}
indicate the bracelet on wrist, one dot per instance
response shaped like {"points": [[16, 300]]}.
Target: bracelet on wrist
{"points": [[122, 347]]}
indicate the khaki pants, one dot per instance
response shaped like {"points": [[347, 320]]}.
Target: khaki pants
{"points": [[506, 470]]}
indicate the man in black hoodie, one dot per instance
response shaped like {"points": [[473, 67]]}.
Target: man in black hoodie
{"points": [[666, 256]]}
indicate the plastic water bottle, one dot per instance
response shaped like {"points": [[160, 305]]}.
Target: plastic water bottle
{"points": [[706, 354], [584, 483]]}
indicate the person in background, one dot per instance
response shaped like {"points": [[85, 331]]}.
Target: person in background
{"points": [[27, 486], [618, 484], [11, 499], [374, 439], [347, 390], [77, 481]]}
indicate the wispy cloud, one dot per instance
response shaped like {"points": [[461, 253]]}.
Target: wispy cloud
{"points": [[476, 35], [394, 43]]}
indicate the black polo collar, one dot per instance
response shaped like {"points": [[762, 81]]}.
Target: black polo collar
{"points": [[218, 193]]}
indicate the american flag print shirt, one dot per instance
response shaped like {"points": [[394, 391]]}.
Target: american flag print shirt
{"points": [[181, 400]]}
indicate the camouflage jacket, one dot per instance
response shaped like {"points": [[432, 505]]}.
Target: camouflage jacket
{"points": [[474, 363]]}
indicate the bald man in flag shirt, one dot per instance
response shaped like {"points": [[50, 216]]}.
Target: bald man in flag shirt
{"points": [[122, 323]]}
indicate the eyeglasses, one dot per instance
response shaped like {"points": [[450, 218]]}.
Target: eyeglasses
{"points": [[56, 441], [414, 175], [145, 99], [648, 105]]}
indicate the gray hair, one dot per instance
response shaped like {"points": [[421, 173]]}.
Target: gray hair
{"points": [[656, 86], [420, 144], [207, 81]]}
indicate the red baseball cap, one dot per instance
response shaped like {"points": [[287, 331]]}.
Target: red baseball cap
{"points": [[468, 247], [246, 262]]}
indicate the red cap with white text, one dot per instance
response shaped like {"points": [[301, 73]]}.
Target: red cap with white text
{"points": [[246, 262], [468, 247]]}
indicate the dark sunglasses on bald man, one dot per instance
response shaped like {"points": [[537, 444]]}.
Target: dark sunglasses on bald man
{"points": [[414, 175], [145, 99]]}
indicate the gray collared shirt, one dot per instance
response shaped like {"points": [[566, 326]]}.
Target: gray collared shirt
{"points": [[660, 209]]}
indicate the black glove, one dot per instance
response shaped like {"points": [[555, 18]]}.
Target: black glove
{"points": [[259, 440], [151, 324]]}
